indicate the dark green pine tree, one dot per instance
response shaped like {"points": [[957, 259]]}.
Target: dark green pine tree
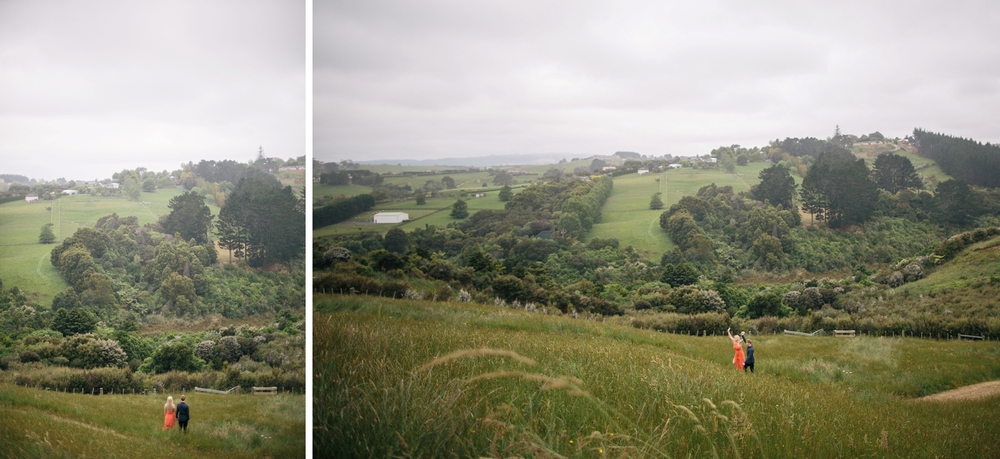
{"points": [[506, 193], [189, 216], [895, 173], [264, 221], [776, 186], [655, 203], [840, 190], [46, 236], [956, 202], [460, 209]]}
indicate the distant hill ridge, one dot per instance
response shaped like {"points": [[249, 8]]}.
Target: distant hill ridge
{"points": [[481, 161]]}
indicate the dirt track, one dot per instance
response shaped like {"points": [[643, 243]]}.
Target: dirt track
{"points": [[973, 392]]}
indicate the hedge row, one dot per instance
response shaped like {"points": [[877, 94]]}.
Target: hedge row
{"points": [[359, 284], [342, 210], [6, 199], [123, 380], [931, 326]]}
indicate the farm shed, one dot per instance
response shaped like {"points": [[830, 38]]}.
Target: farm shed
{"points": [[30, 198], [391, 217]]}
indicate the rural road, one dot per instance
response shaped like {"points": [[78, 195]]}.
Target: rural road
{"points": [[973, 392]]}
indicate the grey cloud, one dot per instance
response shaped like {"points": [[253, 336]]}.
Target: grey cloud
{"points": [[446, 79], [119, 84]]}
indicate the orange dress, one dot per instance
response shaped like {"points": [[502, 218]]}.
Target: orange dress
{"points": [[168, 419], [739, 358]]}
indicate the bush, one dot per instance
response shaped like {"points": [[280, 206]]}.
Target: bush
{"points": [[29, 356], [205, 350], [228, 349], [766, 303], [173, 356]]}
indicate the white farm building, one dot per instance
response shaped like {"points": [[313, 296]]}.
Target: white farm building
{"points": [[391, 217]]}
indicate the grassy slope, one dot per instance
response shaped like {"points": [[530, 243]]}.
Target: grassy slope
{"points": [[811, 397], [25, 262], [926, 167], [627, 217], [52, 424]]}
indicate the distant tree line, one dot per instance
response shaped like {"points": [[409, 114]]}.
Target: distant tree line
{"points": [[973, 162], [342, 210], [14, 178], [362, 177]]}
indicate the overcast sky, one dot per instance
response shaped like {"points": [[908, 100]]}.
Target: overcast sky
{"points": [[88, 88], [456, 78]]}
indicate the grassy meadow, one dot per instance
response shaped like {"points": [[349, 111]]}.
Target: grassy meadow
{"points": [[26, 262], [436, 211], [422, 379], [43, 424], [627, 216]]}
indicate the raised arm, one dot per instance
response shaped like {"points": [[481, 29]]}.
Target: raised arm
{"points": [[730, 331]]}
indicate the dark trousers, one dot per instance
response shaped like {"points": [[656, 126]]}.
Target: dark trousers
{"points": [[745, 366], [184, 426]]}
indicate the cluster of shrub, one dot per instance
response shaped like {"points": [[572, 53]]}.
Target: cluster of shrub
{"points": [[124, 361], [120, 269], [717, 229]]}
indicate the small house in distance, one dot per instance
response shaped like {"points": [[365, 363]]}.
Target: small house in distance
{"points": [[31, 198], [642, 171], [391, 217]]}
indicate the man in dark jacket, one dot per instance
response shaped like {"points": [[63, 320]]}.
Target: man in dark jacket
{"points": [[183, 415], [748, 363]]}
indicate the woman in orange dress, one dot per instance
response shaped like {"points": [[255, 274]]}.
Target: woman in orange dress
{"points": [[739, 358], [169, 412]]}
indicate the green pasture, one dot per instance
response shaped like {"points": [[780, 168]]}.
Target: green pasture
{"points": [[397, 378], [464, 180], [25, 262], [626, 214], [44, 424], [436, 211], [931, 170], [396, 169], [346, 190], [566, 167]]}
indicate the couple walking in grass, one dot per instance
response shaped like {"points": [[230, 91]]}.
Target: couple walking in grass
{"points": [[741, 361], [180, 413]]}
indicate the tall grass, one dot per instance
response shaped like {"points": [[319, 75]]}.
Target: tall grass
{"points": [[421, 379], [46, 424]]}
